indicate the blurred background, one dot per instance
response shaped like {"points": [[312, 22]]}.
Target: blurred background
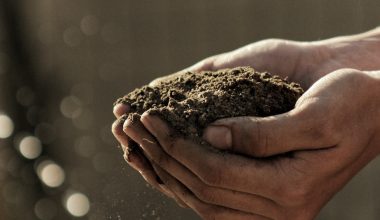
{"points": [[63, 63]]}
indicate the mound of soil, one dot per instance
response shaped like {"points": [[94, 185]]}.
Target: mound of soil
{"points": [[191, 101]]}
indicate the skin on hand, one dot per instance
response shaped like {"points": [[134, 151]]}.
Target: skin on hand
{"points": [[301, 62], [135, 158], [330, 138]]}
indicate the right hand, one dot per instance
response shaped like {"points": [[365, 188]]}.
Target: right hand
{"points": [[302, 62], [336, 121]]}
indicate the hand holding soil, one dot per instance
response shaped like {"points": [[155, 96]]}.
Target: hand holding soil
{"points": [[301, 62], [285, 166]]}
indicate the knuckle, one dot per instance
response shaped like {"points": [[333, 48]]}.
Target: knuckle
{"points": [[272, 41], [260, 146], [208, 63], [213, 178], [351, 73], [116, 128], [126, 126], [258, 142], [162, 160], [250, 137], [274, 44], [205, 194]]}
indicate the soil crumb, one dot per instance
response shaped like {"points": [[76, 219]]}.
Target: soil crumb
{"points": [[192, 100]]}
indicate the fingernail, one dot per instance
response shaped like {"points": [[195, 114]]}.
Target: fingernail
{"points": [[145, 116], [120, 109], [127, 123], [218, 136], [146, 119]]}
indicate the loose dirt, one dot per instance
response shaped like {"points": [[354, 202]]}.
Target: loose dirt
{"points": [[190, 101]]}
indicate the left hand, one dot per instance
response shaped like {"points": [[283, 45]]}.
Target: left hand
{"points": [[332, 133]]}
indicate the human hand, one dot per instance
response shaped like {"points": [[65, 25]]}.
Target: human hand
{"points": [[331, 134], [134, 156], [301, 62], [261, 55]]}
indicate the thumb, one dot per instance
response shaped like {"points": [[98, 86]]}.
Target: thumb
{"points": [[268, 136]]}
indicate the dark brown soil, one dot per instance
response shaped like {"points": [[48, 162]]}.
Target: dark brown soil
{"points": [[191, 101]]}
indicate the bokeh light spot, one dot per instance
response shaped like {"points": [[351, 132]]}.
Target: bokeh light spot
{"points": [[84, 120], [71, 107], [84, 92], [50, 173], [30, 147], [85, 146], [6, 126], [77, 204], [89, 25]]}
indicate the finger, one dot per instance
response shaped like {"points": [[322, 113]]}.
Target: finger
{"points": [[240, 201], [231, 59], [149, 174], [248, 55], [117, 131], [120, 109], [299, 129], [208, 64], [203, 65], [206, 211], [136, 159], [224, 170], [212, 195], [138, 162]]}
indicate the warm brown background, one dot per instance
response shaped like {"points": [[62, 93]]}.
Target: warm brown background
{"points": [[98, 50]]}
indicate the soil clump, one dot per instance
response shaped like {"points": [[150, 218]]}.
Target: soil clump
{"points": [[191, 101]]}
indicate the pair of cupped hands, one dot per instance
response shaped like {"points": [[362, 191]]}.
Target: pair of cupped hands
{"points": [[331, 134]]}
